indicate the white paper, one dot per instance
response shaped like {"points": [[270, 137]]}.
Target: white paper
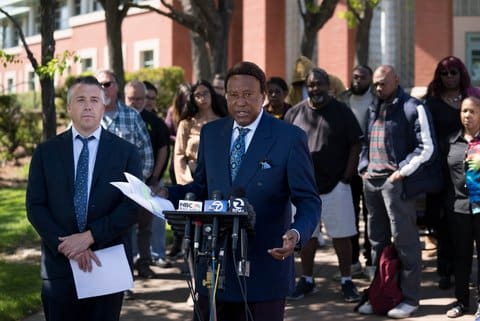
{"points": [[136, 190], [112, 277]]}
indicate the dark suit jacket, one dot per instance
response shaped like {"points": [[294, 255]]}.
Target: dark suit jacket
{"points": [[270, 191], [49, 197]]}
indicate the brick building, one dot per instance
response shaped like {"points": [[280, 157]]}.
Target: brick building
{"points": [[411, 35]]}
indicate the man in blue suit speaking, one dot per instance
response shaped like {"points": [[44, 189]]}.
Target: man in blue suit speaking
{"points": [[270, 161]]}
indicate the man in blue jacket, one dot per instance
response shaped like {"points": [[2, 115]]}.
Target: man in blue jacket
{"points": [[399, 142]]}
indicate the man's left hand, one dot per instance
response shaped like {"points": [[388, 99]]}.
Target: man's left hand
{"points": [[74, 244], [396, 176], [290, 239]]}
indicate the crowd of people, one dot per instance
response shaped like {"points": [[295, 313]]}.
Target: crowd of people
{"points": [[313, 158]]}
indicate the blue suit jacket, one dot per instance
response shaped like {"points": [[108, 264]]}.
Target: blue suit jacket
{"points": [[49, 197], [271, 192]]}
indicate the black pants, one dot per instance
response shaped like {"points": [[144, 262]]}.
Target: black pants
{"points": [[466, 230], [358, 198], [235, 311], [60, 303]]}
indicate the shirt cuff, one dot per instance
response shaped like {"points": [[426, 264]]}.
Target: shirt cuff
{"points": [[298, 234]]}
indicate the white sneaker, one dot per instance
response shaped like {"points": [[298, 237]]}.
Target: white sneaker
{"points": [[365, 308], [402, 311]]}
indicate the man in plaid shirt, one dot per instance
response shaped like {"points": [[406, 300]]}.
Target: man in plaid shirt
{"points": [[127, 123]]}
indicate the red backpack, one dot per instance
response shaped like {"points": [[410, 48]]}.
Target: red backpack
{"points": [[384, 292]]}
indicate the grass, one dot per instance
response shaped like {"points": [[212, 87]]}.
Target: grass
{"points": [[19, 281], [19, 290], [15, 230]]}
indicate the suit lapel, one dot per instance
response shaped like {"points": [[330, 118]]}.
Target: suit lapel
{"points": [[257, 151], [102, 157], [66, 156]]}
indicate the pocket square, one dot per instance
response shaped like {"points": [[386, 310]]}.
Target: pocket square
{"points": [[265, 164]]}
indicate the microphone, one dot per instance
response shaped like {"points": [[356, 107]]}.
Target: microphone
{"points": [[188, 203], [216, 204], [237, 205]]}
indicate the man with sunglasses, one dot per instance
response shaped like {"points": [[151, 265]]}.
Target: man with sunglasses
{"points": [[127, 123]]}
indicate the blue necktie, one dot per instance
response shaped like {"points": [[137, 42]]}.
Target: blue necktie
{"points": [[80, 196], [238, 151]]}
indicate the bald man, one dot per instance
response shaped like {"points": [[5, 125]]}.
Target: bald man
{"points": [[399, 141]]}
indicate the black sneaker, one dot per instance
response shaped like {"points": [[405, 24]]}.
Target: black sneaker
{"points": [[301, 289], [349, 291]]}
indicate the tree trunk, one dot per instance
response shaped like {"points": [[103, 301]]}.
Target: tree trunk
{"points": [[113, 21], [200, 61], [308, 43], [47, 28], [221, 34], [363, 37]]}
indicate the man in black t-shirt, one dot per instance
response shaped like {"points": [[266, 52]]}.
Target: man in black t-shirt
{"points": [[334, 142]]}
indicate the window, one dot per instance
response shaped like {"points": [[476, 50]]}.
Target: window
{"points": [[10, 86], [31, 81], [146, 59], [466, 7], [61, 15], [77, 7], [87, 64], [473, 56]]}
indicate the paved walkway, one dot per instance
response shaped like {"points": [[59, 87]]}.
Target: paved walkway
{"points": [[165, 298]]}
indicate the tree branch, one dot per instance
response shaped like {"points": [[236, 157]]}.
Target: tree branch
{"points": [[353, 11], [30, 55], [186, 20]]}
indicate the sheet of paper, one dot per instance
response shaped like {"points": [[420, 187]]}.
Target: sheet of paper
{"points": [[113, 276], [139, 192]]}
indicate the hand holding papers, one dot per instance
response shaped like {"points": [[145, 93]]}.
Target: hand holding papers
{"points": [[136, 190], [113, 276]]}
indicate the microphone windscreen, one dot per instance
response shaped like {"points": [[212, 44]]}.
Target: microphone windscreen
{"points": [[190, 196], [238, 191]]}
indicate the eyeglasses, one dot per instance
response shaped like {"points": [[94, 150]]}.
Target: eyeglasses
{"points": [[106, 84], [452, 73], [201, 95], [151, 97]]}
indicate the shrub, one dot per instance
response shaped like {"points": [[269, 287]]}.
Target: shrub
{"points": [[17, 128], [165, 79]]}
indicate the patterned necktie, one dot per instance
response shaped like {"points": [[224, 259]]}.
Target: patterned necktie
{"points": [[238, 151], [80, 196]]}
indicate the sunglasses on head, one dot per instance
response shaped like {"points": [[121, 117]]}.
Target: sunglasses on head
{"points": [[106, 84], [448, 72]]}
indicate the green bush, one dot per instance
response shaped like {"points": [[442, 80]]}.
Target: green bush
{"points": [[165, 79], [18, 128]]}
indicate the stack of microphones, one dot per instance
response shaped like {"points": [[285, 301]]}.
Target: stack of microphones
{"points": [[212, 226]]}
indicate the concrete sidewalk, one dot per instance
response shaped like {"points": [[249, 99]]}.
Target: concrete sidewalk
{"points": [[165, 298]]}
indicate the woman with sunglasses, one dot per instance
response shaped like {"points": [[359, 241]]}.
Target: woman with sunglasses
{"points": [[202, 107], [445, 93]]}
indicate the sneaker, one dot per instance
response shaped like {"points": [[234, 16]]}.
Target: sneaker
{"points": [[163, 263], [365, 308], [175, 252], [402, 311], [301, 289], [350, 293]]}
